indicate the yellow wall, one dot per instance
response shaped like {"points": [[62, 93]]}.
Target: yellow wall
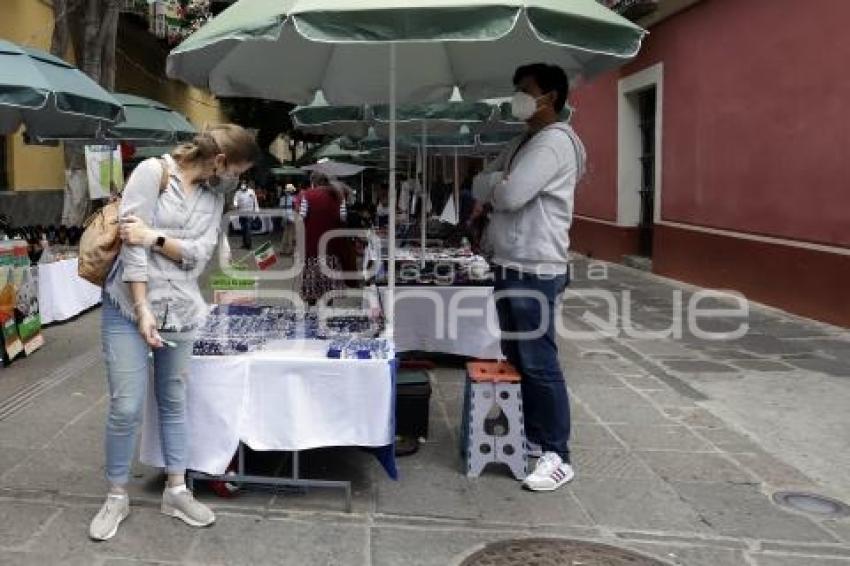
{"points": [[30, 22], [200, 107]]}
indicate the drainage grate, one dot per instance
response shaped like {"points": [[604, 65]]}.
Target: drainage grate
{"points": [[555, 552], [812, 503]]}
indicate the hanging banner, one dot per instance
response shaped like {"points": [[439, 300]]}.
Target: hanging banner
{"points": [[27, 312], [104, 169], [12, 345]]}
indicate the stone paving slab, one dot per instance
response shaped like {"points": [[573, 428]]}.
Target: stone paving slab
{"points": [[620, 405], [427, 547], [691, 555], [249, 541], [695, 467], [499, 499], [146, 534], [762, 365], [666, 437], [599, 463], [585, 435], [743, 511], [772, 470], [19, 522], [775, 560], [636, 504]]}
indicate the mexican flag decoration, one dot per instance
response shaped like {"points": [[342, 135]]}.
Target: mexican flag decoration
{"points": [[265, 256]]}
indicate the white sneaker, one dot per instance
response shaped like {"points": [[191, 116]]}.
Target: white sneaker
{"points": [[550, 473], [105, 523], [533, 449], [183, 505]]}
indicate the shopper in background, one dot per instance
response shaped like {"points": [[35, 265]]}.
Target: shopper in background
{"points": [[287, 204], [152, 307], [245, 201], [322, 209]]}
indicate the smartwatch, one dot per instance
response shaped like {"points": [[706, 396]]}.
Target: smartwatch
{"points": [[160, 242]]}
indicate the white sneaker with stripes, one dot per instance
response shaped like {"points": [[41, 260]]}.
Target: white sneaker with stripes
{"points": [[550, 473]]}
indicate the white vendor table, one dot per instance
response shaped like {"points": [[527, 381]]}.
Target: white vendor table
{"points": [[274, 401], [62, 294], [450, 320], [266, 225]]}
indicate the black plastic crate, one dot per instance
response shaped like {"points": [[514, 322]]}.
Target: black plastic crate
{"points": [[412, 403]]}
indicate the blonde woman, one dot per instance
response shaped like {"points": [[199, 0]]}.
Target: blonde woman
{"points": [[152, 302]]}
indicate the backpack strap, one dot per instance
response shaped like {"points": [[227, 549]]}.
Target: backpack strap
{"points": [[163, 180]]}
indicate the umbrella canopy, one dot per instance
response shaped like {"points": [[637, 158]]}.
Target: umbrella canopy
{"points": [[397, 51], [340, 47], [287, 171], [437, 117], [151, 122], [53, 99], [335, 168], [341, 149], [320, 118]]}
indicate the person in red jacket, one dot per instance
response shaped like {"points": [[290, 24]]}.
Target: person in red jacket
{"points": [[322, 208]]}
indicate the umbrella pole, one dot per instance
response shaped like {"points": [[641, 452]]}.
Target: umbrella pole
{"points": [[423, 230], [457, 190], [390, 314]]}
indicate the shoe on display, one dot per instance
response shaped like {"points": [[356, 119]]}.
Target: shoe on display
{"points": [[550, 473], [114, 510]]}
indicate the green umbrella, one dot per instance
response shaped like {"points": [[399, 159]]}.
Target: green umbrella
{"points": [[320, 118], [290, 49], [287, 171], [339, 149], [150, 122], [51, 98], [396, 51]]}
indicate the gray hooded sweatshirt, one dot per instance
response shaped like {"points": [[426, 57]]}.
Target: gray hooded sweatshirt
{"points": [[531, 187]]}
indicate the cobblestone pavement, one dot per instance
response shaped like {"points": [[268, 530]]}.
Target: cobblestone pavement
{"points": [[678, 445]]}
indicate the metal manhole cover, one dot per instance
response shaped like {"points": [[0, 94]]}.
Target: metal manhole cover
{"points": [[812, 503], [555, 552]]}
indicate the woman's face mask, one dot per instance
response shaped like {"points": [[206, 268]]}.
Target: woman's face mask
{"points": [[223, 183], [524, 106], [227, 180]]}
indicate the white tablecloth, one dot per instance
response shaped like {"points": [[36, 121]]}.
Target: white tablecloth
{"points": [[62, 294], [449, 320], [266, 225], [277, 403]]}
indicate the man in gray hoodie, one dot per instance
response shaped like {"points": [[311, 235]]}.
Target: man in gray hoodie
{"points": [[529, 189]]}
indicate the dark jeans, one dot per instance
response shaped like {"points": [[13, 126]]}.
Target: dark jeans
{"points": [[245, 224], [546, 403]]}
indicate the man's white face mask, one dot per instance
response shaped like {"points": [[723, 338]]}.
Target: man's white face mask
{"points": [[523, 105]]}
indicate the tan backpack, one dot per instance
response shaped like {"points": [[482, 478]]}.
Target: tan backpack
{"points": [[101, 242]]}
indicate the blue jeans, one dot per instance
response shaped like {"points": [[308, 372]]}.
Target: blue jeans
{"points": [[127, 365], [546, 404], [245, 224]]}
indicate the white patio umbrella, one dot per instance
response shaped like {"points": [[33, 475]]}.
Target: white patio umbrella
{"points": [[351, 49]]}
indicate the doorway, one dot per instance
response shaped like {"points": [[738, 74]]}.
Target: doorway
{"points": [[639, 155], [646, 124]]}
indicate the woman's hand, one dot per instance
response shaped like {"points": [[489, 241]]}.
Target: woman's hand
{"points": [[147, 328], [136, 233]]}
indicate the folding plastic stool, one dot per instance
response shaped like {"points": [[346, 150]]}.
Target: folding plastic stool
{"points": [[502, 440]]}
